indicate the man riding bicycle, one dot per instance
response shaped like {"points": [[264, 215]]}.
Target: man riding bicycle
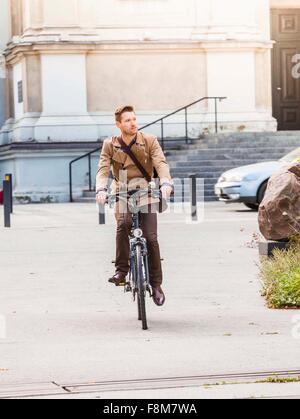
{"points": [[133, 157]]}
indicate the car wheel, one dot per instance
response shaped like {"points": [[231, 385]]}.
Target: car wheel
{"points": [[261, 192], [254, 207]]}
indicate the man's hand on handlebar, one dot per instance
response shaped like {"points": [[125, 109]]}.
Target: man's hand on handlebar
{"points": [[166, 192], [167, 189], [101, 197]]}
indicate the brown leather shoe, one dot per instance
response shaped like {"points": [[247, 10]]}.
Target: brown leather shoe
{"points": [[118, 279], [158, 296]]}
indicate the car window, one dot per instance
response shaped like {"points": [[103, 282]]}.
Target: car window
{"points": [[294, 156]]}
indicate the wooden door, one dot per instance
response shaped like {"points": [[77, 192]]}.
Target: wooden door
{"points": [[286, 68]]}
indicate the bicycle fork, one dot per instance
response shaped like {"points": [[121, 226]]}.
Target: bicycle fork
{"points": [[133, 286]]}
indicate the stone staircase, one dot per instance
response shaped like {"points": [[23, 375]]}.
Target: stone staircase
{"points": [[210, 156]]}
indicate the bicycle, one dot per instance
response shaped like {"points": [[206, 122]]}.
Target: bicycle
{"points": [[138, 277]]}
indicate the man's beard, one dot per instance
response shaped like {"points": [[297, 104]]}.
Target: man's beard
{"points": [[131, 132]]}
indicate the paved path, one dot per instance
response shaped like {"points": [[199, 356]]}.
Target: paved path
{"points": [[66, 324]]}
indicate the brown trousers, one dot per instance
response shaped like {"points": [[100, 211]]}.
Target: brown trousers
{"points": [[148, 223]]}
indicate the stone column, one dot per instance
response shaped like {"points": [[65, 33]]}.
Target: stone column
{"points": [[4, 37], [237, 42], [2, 90], [65, 114], [16, 13], [33, 15]]}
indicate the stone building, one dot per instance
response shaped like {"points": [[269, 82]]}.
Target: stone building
{"points": [[4, 38], [69, 63]]}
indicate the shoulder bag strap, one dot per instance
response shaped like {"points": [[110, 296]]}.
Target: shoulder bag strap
{"points": [[130, 153]]}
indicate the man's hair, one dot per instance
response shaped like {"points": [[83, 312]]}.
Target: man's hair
{"points": [[122, 109]]}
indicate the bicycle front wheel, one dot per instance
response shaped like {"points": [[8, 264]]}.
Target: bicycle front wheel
{"points": [[141, 288]]}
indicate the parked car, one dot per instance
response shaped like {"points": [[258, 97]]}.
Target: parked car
{"points": [[248, 184]]}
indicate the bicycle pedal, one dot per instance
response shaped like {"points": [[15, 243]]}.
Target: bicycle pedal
{"points": [[121, 284], [127, 287]]}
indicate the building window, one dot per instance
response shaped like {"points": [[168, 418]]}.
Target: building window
{"points": [[20, 91]]}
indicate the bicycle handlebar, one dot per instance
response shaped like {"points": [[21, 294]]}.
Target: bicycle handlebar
{"points": [[125, 196], [133, 193]]}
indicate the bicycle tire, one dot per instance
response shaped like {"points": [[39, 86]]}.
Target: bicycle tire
{"points": [[140, 286], [139, 309]]}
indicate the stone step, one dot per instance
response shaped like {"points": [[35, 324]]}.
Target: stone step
{"points": [[201, 172], [200, 168], [261, 144], [177, 180], [268, 136], [262, 138], [219, 163], [247, 148], [216, 163], [205, 194], [231, 140], [234, 150], [260, 141], [235, 153], [185, 174], [229, 160], [235, 137], [211, 155], [185, 200], [203, 168], [255, 135]]}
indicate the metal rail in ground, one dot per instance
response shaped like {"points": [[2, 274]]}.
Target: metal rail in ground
{"points": [[31, 390]]}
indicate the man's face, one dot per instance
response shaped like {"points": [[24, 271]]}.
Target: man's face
{"points": [[128, 124]]}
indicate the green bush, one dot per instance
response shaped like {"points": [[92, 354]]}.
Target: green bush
{"points": [[281, 277]]}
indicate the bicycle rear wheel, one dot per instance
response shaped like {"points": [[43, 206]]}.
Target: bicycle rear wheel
{"points": [[141, 288]]}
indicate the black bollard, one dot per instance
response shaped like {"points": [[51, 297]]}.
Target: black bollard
{"points": [[6, 202], [193, 197], [8, 177], [101, 214]]}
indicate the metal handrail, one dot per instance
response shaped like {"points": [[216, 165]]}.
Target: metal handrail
{"points": [[161, 120]]}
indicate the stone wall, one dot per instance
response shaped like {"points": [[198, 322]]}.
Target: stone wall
{"points": [[81, 63]]}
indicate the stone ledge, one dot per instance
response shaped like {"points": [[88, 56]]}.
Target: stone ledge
{"points": [[80, 145], [267, 247]]}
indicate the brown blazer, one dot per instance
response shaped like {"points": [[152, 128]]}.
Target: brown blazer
{"points": [[148, 151]]}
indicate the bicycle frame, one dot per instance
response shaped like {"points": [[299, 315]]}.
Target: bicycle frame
{"points": [[142, 243], [139, 278], [136, 241]]}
